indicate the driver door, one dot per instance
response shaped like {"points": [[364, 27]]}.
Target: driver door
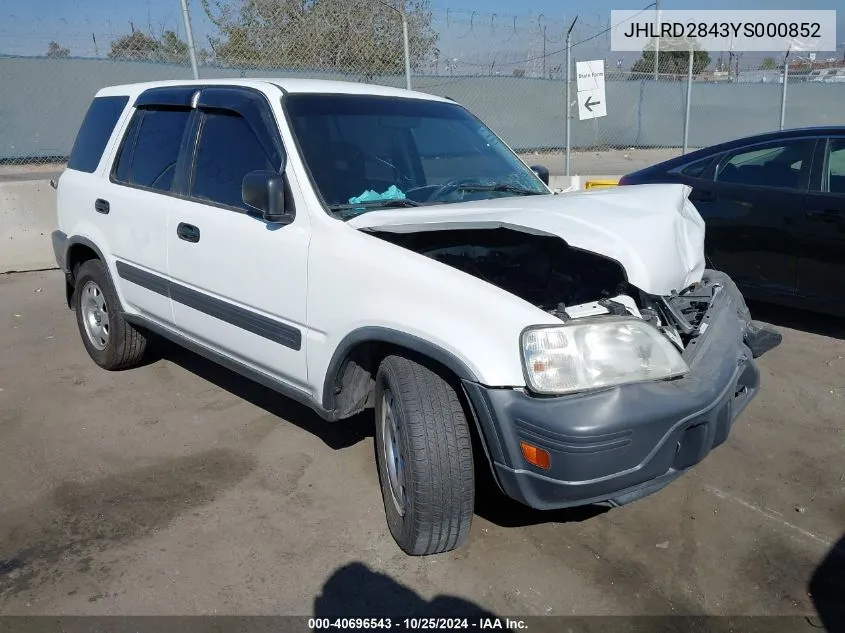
{"points": [[238, 281]]}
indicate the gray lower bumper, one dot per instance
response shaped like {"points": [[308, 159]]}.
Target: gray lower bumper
{"points": [[623, 443]]}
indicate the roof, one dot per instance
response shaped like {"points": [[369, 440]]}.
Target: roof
{"points": [[291, 85], [820, 130], [771, 136]]}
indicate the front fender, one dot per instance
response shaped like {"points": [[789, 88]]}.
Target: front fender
{"points": [[360, 286]]}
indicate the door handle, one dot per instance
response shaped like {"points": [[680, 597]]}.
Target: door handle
{"points": [[188, 232], [101, 206], [824, 215], [702, 196]]}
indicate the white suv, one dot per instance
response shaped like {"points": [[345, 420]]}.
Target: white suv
{"points": [[354, 246]]}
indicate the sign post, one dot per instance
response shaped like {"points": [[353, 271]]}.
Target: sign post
{"points": [[592, 103]]}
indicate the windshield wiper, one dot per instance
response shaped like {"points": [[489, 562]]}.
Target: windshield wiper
{"points": [[501, 186], [351, 210]]}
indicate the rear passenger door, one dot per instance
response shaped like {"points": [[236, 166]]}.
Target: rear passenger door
{"points": [[136, 201], [238, 283], [751, 211], [821, 267]]}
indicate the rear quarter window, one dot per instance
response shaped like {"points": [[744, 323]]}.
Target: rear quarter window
{"points": [[95, 131], [697, 169]]}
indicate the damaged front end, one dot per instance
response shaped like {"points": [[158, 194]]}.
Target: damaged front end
{"points": [[684, 316], [627, 392], [571, 284]]}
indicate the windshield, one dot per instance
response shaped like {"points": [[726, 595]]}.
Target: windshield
{"points": [[367, 152]]}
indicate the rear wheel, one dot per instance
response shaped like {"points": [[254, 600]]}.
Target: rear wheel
{"points": [[111, 341], [424, 458]]}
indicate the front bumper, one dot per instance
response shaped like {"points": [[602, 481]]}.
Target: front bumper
{"points": [[620, 444]]}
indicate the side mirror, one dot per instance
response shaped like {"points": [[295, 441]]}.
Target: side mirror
{"points": [[264, 191], [542, 172]]}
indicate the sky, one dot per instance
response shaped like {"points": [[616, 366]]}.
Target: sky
{"points": [[477, 32]]}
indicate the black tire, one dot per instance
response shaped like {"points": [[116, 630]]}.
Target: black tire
{"points": [[124, 344], [434, 444]]}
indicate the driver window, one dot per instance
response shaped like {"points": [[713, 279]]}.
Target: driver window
{"points": [[227, 151]]}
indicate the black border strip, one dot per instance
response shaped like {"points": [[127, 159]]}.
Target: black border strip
{"points": [[248, 320], [449, 613]]}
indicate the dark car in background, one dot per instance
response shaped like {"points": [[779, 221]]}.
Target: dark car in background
{"points": [[774, 209]]}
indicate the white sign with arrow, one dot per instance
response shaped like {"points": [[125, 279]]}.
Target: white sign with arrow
{"points": [[591, 97]]}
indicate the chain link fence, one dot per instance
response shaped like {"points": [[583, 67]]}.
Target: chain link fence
{"points": [[508, 69]]}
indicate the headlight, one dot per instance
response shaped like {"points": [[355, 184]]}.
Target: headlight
{"points": [[601, 352]]}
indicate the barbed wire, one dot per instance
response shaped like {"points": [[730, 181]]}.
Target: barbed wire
{"points": [[79, 30], [577, 43], [468, 41]]}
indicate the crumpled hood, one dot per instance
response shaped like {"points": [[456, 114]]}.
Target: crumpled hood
{"points": [[653, 230]]}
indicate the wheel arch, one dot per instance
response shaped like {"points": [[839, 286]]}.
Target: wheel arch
{"points": [[366, 346], [79, 250]]}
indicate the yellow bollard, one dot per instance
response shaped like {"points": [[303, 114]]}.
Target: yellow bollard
{"points": [[600, 184]]}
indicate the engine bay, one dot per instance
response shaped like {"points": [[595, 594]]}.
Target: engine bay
{"points": [[565, 282], [533, 267]]}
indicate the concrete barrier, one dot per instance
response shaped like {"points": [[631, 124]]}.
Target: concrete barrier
{"points": [[27, 217]]}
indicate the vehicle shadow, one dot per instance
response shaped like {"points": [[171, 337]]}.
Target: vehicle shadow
{"points": [[796, 319], [827, 589], [355, 591], [335, 435], [490, 503]]}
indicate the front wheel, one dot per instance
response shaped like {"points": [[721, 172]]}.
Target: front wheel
{"points": [[424, 457]]}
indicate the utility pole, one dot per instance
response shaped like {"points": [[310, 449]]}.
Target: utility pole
{"points": [[689, 99], [404, 40], [783, 93], [730, 60], [569, 93], [657, 39], [189, 35], [407, 50], [544, 51]]}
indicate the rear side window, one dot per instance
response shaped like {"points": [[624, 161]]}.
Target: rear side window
{"points": [[777, 165], [150, 148], [227, 150], [94, 133]]}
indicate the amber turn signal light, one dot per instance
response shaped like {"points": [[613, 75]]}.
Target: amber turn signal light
{"points": [[535, 456]]}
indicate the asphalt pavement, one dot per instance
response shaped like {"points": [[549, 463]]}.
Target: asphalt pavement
{"points": [[180, 488]]}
